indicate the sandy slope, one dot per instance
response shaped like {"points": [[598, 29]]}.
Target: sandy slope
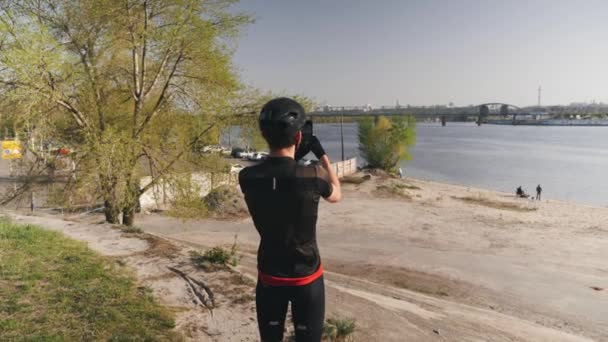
{"points": [[432, 267], [436, 262]]}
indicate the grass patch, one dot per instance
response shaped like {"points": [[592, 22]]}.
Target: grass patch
{"points": [[407, 186], [56, 289], [216, 258], [132, 230], [339, 329], [394, 190], [486, 202], [238, 279], [244, 298]]}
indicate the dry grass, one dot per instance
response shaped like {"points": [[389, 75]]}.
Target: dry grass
{"points": [[394, 190], [339, 329], [409, 187], [244, 298], [238, 279], [490, 203]]}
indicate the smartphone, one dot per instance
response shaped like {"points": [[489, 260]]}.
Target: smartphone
{"points": [[307, 132]]}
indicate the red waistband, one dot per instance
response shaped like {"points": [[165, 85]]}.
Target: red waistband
{"points": [[278, 281]]}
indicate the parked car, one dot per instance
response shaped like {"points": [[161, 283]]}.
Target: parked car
{"points": [[237, 152], [247, 155], [257, 156], [212, 149], [225, 151]]}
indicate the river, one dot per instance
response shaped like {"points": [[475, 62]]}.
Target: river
{"points": [[570, 163]]}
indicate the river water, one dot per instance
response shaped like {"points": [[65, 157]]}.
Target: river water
{"points": [[570, 163]]}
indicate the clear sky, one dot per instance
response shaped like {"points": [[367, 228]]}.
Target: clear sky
{"points": [[424, 52]]}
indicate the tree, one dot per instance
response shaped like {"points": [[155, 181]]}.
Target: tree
{"points": [[131, 85], [384, 143]]}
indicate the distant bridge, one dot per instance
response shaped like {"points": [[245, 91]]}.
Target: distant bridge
{"points": [[482, 110]]}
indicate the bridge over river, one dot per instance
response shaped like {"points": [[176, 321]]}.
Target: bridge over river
{"points": [[432, 112]]}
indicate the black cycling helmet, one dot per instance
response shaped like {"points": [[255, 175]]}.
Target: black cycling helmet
{"points": [[282, 114]]}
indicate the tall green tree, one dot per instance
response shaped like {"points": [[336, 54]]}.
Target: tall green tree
{"points": [[130, 85], [385, 142]]}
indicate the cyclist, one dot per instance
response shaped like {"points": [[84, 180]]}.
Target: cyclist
{"points": [[283, 199]]}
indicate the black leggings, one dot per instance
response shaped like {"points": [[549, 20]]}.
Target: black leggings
{"points": [[307, 309]]}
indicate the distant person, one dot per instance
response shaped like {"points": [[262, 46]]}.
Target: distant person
{"points": [[400, 173], [283, 199], [538, 192], [520, 192]]}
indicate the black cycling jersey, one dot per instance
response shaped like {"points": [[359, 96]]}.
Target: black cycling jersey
{"points": [[283, 199]]}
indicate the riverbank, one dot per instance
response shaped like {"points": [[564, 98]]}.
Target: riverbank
{"points": [[430, 261]]}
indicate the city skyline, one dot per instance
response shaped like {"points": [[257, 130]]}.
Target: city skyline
{"points": [[354, 53]]}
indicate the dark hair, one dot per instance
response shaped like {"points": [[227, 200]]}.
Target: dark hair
{"points": [[278, 137]]}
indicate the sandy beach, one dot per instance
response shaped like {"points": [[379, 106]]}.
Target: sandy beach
{"points": [[417, 260]]}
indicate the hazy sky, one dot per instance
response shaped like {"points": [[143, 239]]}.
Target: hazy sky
{"points": [[424, 52]]}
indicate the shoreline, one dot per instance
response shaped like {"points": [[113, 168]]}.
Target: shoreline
{"points": [[430, 181]]}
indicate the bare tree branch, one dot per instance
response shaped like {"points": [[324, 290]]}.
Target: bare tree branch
{"points": [[163, 94]]}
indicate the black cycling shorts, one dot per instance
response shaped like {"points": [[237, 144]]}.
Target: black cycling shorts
{"points": [[307, 309]]}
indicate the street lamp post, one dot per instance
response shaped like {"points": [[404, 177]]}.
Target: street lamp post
{"points": [[342, 133]]}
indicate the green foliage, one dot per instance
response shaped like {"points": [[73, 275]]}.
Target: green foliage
{"points": [[392, 191], [386, 142], [339, 329], [216, 258], [132, 86], [56, 289]]}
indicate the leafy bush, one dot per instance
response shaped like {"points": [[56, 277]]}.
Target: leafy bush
{"points": [[386, 142], [339, 329], [216, 258]]}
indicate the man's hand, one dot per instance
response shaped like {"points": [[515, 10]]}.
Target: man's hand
{"points": [[301, 151], [336, 194], [316, 148]]}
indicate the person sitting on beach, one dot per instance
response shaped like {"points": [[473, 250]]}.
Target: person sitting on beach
{"points": [[520, 192]]}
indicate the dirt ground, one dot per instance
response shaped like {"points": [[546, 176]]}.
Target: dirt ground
{"points": [[413, 260]]}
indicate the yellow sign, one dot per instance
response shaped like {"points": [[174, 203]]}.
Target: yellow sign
{"points": [[11, 149]]}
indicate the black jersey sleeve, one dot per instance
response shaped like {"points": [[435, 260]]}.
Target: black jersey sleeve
{"points": [[323, 183], [243, 180]]}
